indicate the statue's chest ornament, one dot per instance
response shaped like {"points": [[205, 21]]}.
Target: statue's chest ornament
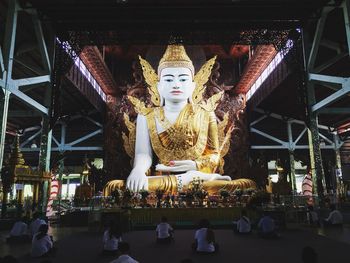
{"points": [[180, 134]]}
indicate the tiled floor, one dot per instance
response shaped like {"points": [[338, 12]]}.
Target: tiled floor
{"points": [[79, 245]]}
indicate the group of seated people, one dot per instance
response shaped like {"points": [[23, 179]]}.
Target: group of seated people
{"points": [[37, 233], [114, 245], [266, 225], [335, 217]]}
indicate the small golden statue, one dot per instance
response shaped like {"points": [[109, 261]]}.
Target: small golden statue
{"points": [[181, 129]]}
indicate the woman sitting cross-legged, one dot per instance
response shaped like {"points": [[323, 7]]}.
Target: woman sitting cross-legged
{"points": [[111, 239], [204, 239], [42, 244]]}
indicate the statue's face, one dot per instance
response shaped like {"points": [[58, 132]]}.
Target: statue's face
{"points": [[176, 84]]}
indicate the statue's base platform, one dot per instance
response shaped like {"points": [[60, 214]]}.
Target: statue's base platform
{"points": [[179, 218]]}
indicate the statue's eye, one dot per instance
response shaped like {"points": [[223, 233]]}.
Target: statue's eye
{"points": [[168, 80], [183, 80]]}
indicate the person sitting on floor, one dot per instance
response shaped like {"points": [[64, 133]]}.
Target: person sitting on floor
{"points": [[312, 216], [335, 218], [164, 231], [35, 224], [204, 238], [19, 232], [42, 244], [243, 225], [111, 239], [267, 227], [124, 249]]}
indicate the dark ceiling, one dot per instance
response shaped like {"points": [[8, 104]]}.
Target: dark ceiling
{"points": [[153, 22]]}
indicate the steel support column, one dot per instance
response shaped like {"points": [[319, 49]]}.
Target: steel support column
{"points": [[7, 64], [4, 107], [291, 156]]}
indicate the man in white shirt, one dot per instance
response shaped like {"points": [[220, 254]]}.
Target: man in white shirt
{"points": [[19, 232], [35, 224], [267, 228], [164, 231], [243, 226], [124, 249], [205, 238], [19, 229], [335, 218], [42, 243]]}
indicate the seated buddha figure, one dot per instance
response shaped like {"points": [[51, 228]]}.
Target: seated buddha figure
{"points": [[180, 131]]}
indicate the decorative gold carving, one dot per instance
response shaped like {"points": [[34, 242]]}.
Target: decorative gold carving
{"points": [[224, 140], [129, 140], [151, 79], [201, 78], [180, 150], [139, 106], [212, 102]]}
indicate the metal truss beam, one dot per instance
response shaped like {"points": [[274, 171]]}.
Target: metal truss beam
{"points": [[32, 81], [28, 100], [346, 10], [66, 148], [332, 98], [30, 138], [283, 118], [330, 62], [328, 79], [55, 141], [281, 147], [317, 39], [2, 66], [291, 144], [99, 131], [41, 42], [93, 121], [268, 136], [334, 110], [23, 113]]}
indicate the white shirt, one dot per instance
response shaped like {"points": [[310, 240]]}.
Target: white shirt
{"points": [[19, 229], [163, 230], [41, 246], [110, 244], [34, 226], [202, 243], [266, 224], [124, 259], [243, 225], [335, 218]]}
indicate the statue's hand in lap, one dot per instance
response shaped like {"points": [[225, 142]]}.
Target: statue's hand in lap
{"points": [[137, 180], [177, 166]]}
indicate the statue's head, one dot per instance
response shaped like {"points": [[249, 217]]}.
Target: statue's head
{"points": [[176, 74]]}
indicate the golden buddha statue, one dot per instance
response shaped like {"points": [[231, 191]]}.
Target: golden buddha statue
{"points": [[181, 129]]}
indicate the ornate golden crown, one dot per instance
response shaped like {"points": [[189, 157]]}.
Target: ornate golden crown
{"points": [[175, 56]]}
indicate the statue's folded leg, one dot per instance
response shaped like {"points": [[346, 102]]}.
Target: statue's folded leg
{"points": [[169, 185], [214, 187]]}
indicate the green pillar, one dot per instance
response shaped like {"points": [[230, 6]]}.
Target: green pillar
{"points": [[292, 171], [316, 149], [4, 107], [339, 183], [44, 161], [8, 51], [312, 163]]}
